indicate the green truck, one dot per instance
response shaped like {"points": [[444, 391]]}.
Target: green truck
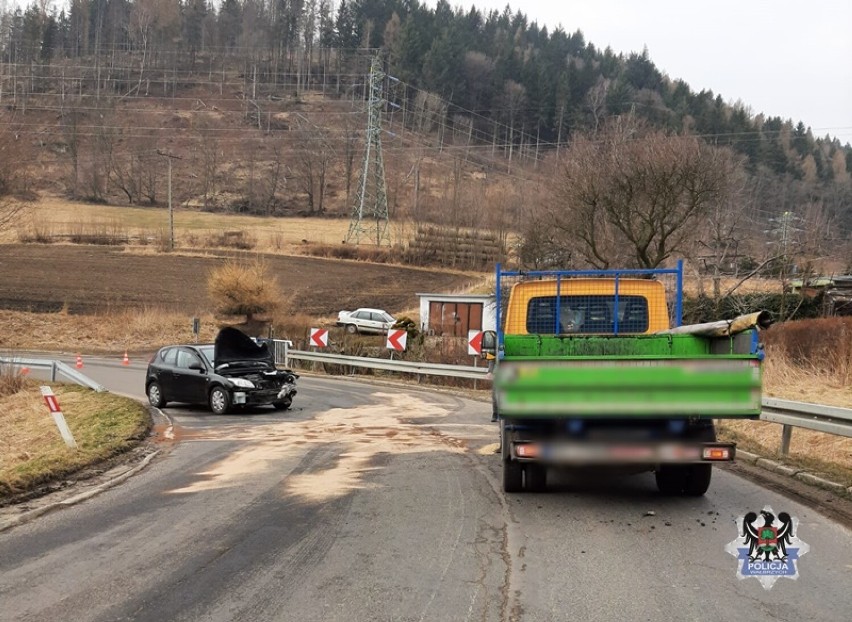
{"points": [[593, 368]]}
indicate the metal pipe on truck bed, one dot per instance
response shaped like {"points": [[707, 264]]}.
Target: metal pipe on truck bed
{"points": [[723, 328]]}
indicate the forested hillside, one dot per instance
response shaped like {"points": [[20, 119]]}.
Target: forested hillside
{"points": [[262, 101]]}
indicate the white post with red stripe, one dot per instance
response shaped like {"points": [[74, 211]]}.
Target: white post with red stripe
{"points": [[58, 417]]}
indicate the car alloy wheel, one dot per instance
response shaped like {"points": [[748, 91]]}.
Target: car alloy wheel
{"points": [[155, 395], [220, 401]]}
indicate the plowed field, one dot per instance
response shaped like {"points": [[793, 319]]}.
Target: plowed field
{"points": [[86, 279]]}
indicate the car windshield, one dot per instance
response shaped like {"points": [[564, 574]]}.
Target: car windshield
{"points": [[207, 351], [386, 317]]}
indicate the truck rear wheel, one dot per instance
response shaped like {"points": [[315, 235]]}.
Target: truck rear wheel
{"points": [[513, 476], [698, 480], [688, 480], [535, 477], [524, 477]]}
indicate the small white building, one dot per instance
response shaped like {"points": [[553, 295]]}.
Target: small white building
{"points": [[453, 315]]}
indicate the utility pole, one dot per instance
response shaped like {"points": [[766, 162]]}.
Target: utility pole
{"points": [[785, 231], [169, 157]]}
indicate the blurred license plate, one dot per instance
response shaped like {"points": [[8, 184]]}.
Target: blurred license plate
{"points": [[618, 453]]}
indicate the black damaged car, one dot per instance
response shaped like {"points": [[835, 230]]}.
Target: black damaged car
{"points": [[235, 371]]}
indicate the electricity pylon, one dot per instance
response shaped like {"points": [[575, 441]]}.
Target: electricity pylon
{"points": [[370, 209]]}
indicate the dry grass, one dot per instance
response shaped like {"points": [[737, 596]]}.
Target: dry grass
{"points": [[11, 380], [113, 332], [31, 449], [814, 451], [57, 219], [816, 348], [804, 382], [693, 286]]}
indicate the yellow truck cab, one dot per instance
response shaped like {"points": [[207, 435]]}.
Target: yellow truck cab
{"points": [[587, 306]]}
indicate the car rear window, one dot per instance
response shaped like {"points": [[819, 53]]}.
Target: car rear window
{"points": [[169, 356]]}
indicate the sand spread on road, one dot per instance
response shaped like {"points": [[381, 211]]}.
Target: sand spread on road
{"points": [[361, 433]]}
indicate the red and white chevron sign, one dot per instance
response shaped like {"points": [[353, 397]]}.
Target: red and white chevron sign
{"points": [[319, 337], [474, 342], [397, 339]]}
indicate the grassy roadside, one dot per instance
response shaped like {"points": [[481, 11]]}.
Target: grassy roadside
{"points": [[811, 451], [31, 449]]}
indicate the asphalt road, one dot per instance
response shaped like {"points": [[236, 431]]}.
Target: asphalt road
{"points": [[375, 502]]}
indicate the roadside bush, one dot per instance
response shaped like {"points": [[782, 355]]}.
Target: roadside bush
{"points": [[410, 327], [232, 239], [293, 326], [244, 288], [36, 234], [11, 380], [374, 254], [102, 234]]}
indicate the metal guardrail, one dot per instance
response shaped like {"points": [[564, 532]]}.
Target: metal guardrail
{"points": [[830, 419], [56, 368], [408, 367]]}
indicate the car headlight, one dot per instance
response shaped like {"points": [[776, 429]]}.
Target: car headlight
{"points": [[242, 383]]}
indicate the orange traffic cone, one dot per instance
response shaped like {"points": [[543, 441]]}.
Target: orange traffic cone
{"points": [[126, 360], [79, 364]]}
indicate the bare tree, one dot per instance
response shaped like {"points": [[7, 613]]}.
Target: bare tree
{"points": [[125, 175], [512, 102], [631, 195], [97, 171], [351, 148], [313, 166], [208, 145], [142, 18], [13, 174], [70, 124], [723, 247], [595, 101], [11, 211], [275, 178]]}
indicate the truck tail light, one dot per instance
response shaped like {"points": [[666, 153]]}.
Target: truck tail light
{"points": [[716, 453], [527, 450]]}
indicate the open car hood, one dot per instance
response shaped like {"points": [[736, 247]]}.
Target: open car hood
{"points": [[232, 346]]}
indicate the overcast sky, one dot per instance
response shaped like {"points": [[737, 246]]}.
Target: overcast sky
{"points": [[787, 58]]}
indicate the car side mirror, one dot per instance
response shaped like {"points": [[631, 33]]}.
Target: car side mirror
{"points": [[196, 366], [489, 344]]}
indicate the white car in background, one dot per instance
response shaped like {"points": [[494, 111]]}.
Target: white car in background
{"points": [[365, 321]]}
